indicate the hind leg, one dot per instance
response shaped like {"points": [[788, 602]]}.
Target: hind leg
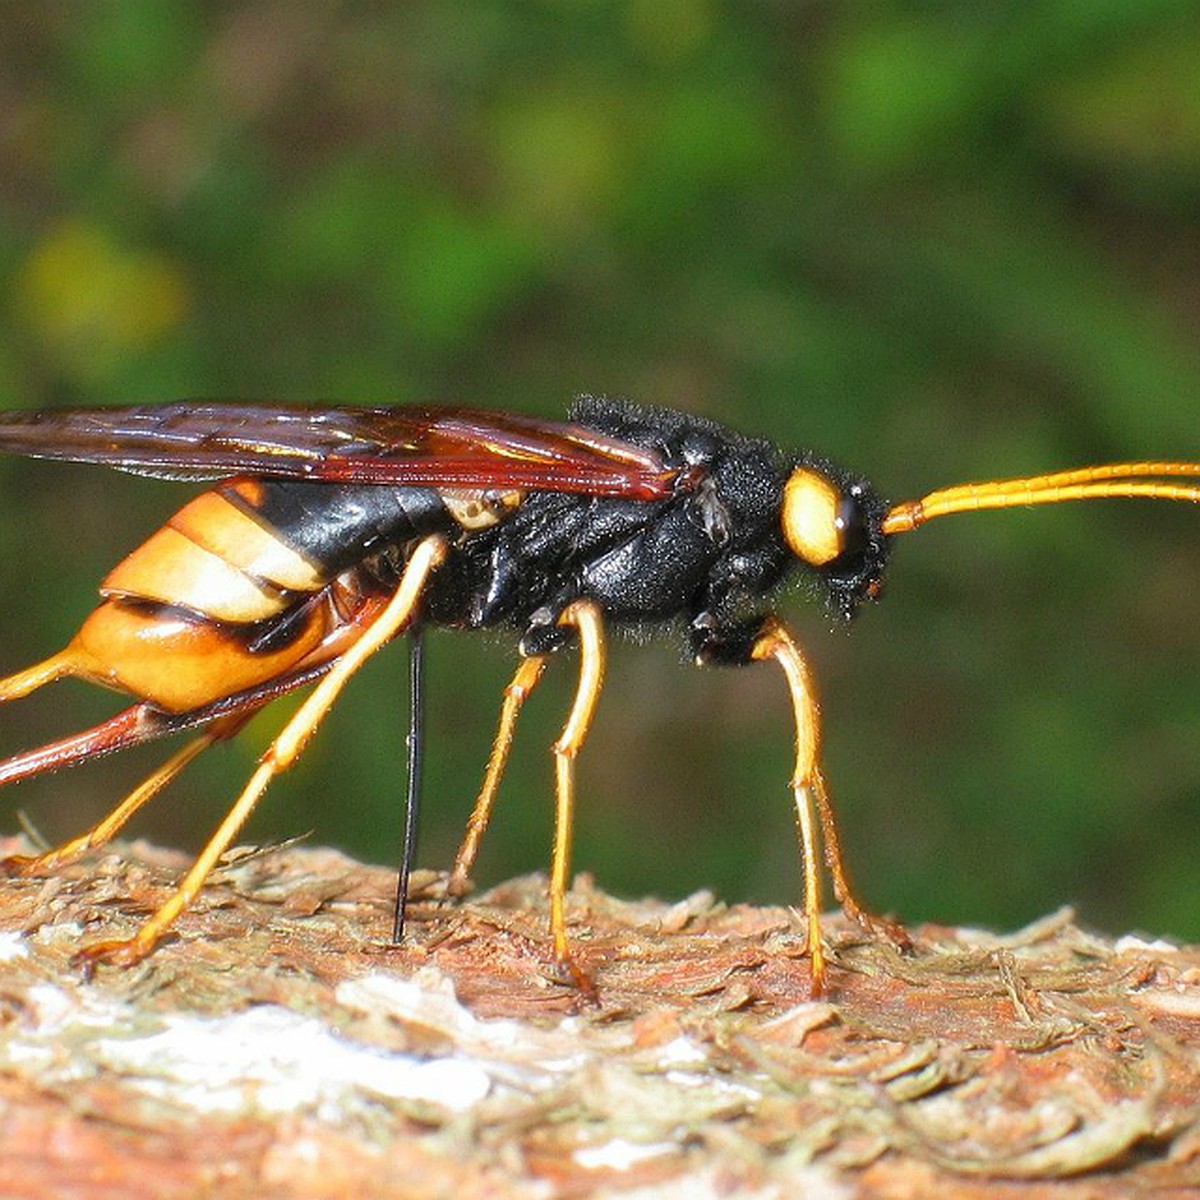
{"points": [[288, 745], [105, 830], [21, 683]]}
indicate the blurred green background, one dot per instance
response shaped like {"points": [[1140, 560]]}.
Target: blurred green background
{"points": [[933, 241]]}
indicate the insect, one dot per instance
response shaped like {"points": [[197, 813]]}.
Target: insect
{"points": [[329, 531]]}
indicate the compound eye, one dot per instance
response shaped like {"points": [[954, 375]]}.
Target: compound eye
{"points": [[852, 523], [815, 517]]}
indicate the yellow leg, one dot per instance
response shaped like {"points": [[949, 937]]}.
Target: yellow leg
{"points": [[280, 755], [21, 683], [518, 691], [808, 786], [107, 829], [586, 617], [893, 931]]}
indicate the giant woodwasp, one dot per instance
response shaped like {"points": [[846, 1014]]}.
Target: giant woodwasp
{"points": [[331, 529]]}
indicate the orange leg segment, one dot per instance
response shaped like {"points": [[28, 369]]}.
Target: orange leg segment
{"points": [[814, 811], [528, 675], [108, 828], [586, 618], [21, 683], [281, 754]]}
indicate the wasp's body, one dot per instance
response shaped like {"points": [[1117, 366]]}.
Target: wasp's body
{"points": [[259, 577], [331, 530]]}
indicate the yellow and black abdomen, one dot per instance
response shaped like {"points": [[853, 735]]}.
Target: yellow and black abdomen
{"points": [[218, 557], [247, 582]]}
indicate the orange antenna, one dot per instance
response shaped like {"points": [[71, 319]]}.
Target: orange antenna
{"points": [[1153, 480]]}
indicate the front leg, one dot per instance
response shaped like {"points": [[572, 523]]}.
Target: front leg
{"points": [[764, 639]]}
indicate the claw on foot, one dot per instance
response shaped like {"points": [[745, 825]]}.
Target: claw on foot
{"points": [[881, 928], [118, 952], [23, 866], [570, 974]]}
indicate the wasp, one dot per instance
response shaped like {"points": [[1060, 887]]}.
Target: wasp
{"points": [[329, 531]]}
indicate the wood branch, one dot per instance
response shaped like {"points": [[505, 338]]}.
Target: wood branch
{"points": [[278, 1046]]}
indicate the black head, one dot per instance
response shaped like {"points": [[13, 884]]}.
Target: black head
{"points": [[834, 524]]}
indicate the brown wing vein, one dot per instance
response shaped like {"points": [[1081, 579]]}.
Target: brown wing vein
{"points": [[389, 446]]}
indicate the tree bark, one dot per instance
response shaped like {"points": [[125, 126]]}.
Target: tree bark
{"points": [[276, 1045]]}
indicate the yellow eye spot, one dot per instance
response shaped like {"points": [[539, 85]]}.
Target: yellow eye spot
{"points": [[810, 517]]}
